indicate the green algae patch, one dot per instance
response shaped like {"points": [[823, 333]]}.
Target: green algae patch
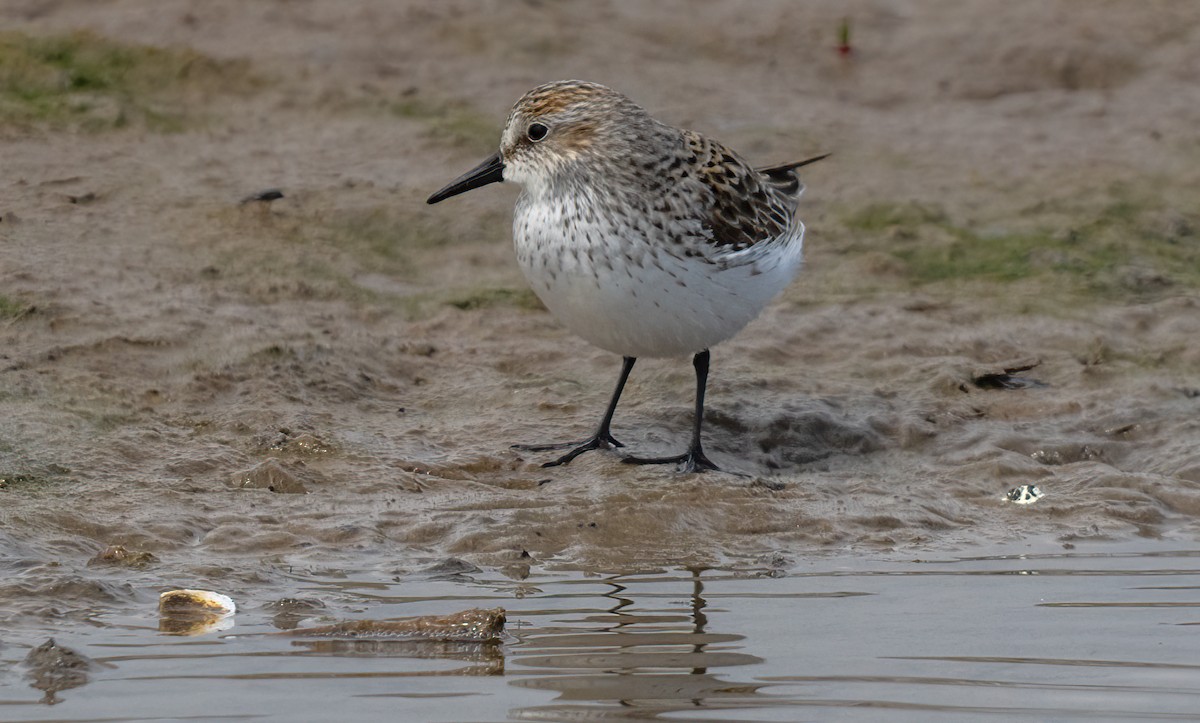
{"points": [[383, 254], [11, 309], [451, 123], [889, 215], [492, 297], [1122, 246], [84, 81]]}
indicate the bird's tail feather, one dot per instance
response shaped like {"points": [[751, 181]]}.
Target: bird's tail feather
{"points": [[789, 167]]}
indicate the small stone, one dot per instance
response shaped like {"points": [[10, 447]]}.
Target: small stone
{"points": [[272, 476], [119, 555], [265, 196]]}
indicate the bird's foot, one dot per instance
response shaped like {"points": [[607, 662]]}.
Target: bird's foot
{"points": [[693, 460], [600, 440]]}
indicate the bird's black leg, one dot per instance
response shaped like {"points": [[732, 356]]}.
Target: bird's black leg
{"points": [[693, 460], [602, 439]]}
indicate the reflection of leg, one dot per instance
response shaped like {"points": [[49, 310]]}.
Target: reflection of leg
{"points": [[694, 459], [602, 439], [699, 619], [617, 611]]}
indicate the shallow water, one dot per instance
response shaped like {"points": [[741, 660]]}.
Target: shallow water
{"points": [[1029, 633]]}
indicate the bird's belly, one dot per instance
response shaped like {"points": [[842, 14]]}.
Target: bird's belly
{"points": [[639, 301]]}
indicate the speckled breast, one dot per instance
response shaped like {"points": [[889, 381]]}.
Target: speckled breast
{"points": [[623, 292]]}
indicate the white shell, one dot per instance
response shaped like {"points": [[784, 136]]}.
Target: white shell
{"points": [[196, 601], [1025, 494]]}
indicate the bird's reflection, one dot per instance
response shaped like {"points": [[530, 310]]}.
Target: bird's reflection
{"points": [[699, 619], [638, 660]]}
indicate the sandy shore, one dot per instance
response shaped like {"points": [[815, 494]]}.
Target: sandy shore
{"points": [[1009, 188]]}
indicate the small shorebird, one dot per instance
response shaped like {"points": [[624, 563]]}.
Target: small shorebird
{"points": [[644, 239]]}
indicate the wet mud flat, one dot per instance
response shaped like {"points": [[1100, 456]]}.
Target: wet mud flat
{"points": [[239, 353], [1102, 632]]}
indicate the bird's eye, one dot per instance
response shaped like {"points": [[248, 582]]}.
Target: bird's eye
{"points": [[537, 132]]}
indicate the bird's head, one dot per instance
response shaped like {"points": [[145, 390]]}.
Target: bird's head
{"points": [[553, 127]]}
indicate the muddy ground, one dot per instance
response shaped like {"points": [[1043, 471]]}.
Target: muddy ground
{"points": [[334, 378]]}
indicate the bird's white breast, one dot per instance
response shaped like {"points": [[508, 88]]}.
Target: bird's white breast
{"points": [[644, 297]]}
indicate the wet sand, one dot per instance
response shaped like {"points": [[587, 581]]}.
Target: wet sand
{"points": [[331, 381]]}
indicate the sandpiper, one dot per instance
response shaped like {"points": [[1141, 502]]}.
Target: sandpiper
{"points": [[644, 239]]}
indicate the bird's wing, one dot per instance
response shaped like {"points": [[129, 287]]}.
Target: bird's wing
{"points": [[747, 206]]}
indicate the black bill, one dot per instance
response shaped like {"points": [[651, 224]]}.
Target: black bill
{"points": [[490, 171]]}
